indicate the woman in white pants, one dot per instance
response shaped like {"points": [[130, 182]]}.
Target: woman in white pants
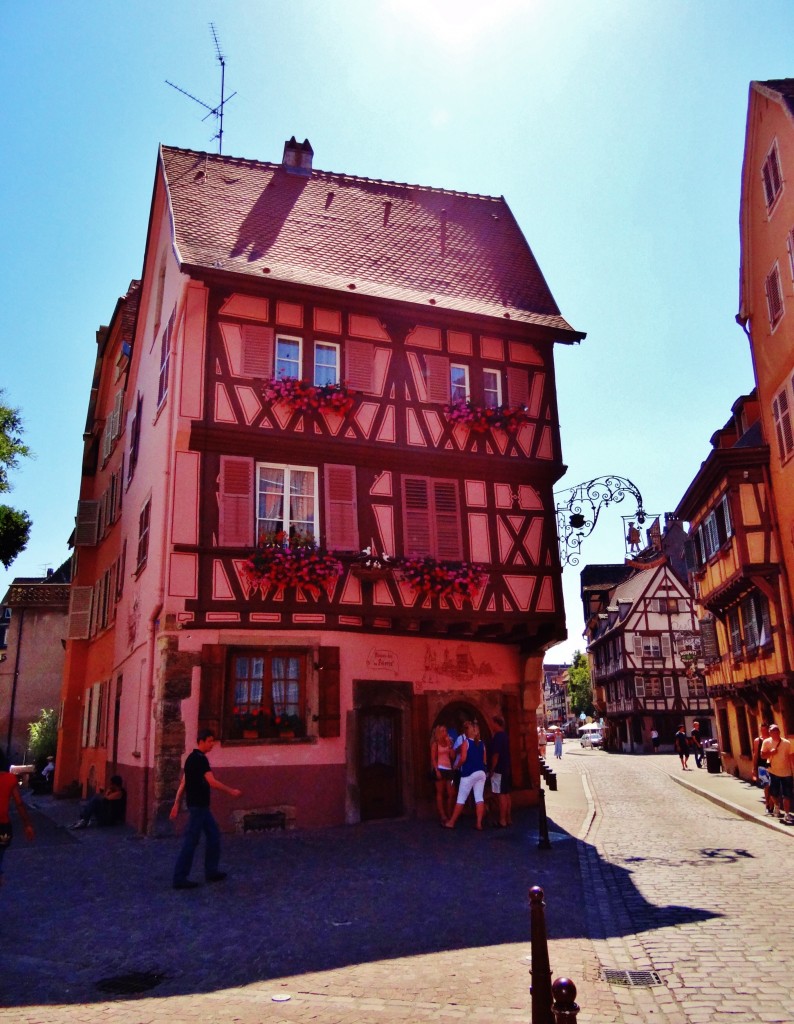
{"points": [[472, 775]]}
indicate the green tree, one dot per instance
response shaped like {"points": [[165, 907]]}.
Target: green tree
{"points": [[580, 689], [14, 524], [43, 735]]}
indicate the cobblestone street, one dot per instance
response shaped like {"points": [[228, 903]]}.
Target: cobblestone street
{"points": [[402, 921]]}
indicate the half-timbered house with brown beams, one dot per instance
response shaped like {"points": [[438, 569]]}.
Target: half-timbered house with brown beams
{"points": [[341, 437], [644, 648], [736, 569]]}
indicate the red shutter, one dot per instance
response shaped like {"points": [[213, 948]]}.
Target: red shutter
{"points": [[449, 543], [341, 509], [437, 375], [329, 710], [211, 689], [359, 361], [79, 613], [257, 351], [416, 516], [236, 511], [87, 523], [517, 386]]}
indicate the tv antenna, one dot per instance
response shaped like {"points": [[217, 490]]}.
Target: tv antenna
{"points": [[217, 111]]}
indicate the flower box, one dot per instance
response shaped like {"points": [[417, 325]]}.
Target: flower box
{"points": [[480, 418], [293, 562], [301, 396]]}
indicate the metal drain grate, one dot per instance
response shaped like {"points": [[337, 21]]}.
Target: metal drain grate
{"points": [[130, 984], [634, 979]]}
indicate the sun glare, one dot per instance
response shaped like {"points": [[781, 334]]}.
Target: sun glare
{"points": [[456, 24]]}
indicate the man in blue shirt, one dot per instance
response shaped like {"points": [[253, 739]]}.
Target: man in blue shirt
{"points": [[197, 781], [501, 772]]}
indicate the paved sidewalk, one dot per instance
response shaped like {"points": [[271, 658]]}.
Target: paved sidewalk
{"points": [[723, 789]]}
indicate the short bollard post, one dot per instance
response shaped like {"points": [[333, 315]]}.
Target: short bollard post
{"points": [[543, 822], [540, 989], [565, 1008]]}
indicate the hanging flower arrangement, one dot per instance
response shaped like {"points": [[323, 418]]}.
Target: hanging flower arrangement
{"points": [[304, 397], [281, 562], [439, 579], [480, 418]]}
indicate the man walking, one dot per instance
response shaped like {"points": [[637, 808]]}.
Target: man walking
{"points": [[681, 746], [778, 752], [697, 746], [196, 783]]}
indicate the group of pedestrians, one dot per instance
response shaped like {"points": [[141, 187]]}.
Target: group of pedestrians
{"points": [[773, 770], [462, 765], [685, 746]]}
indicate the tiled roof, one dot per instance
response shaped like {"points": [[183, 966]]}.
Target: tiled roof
{"points": [[448, 250], [784, 87]]}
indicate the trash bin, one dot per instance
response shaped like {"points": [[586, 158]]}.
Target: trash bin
{"points": [[713, 762]]}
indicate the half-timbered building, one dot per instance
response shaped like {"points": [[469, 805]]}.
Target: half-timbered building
{"points": [[736, 569], [340, 437], [644, 652]]}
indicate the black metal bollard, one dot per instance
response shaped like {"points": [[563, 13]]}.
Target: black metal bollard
{"points": [[565, 1008], [543, 822], [540, 989]]}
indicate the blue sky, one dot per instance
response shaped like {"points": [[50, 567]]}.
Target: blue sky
{"points": [[614, 130]]}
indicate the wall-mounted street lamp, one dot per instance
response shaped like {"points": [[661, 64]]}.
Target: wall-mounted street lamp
{"points": [[577, 510]]}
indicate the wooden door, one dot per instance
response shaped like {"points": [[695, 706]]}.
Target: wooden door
{"points": [[380, 763]]}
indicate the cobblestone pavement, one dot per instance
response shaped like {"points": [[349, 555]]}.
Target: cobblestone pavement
{"points": [[402, 921]]}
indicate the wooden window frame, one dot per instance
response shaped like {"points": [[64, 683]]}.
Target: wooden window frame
{"points": [[286, 522], [781, 415], [144, 527], [333, 346], [496, 391], [261, 727], [292, 339], [455, 386], [772, 177], [774, 296]]}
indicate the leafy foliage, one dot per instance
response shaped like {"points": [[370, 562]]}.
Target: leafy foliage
{"points": [[580, 688], [43, 735], [14, 533], [14, 525]]}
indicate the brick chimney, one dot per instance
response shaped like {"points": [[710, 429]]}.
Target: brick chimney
{"points": [[297, 157]]}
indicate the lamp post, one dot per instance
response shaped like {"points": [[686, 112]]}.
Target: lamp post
{"points": [[577, 510]]}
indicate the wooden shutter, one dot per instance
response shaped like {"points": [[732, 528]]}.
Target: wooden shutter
{"points": [[359, 362], [774, 296], [236, 507], [449, 543], [639, 687], [416, 516], [437, 378], [341, 509], [517, 386], [782, 416], [669, 688], [637, 645], [666, 645], [79, 613], [87, 523], [257, 358], [329, 705], [210, 713], [118, 412]]}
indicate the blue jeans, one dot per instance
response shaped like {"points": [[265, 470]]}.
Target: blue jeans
{"points": [[201, 820]]}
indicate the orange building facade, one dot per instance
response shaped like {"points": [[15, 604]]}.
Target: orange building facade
{"points": [[316, 513], [734, 559]]}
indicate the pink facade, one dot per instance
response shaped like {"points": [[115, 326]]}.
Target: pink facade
{"points": [[435, 440]]}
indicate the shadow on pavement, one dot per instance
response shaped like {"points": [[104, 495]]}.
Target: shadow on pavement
{"points": [[81, 908]]}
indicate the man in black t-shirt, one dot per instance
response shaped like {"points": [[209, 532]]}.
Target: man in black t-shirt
{"points": [[196, 784], [501, 772], [697, 746]]}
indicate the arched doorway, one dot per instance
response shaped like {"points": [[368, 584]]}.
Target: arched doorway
{"points": [[454, 714], [380, 762]]}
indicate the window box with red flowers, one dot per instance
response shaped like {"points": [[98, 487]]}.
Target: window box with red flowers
{"points": [[432, 578], [480, 418], [304, 397], [291, 562]]}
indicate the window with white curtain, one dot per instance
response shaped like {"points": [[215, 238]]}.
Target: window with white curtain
{"points": [[286, 502]]}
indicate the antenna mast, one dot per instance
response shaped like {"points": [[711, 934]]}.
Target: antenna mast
{"points": [[213, 111]]}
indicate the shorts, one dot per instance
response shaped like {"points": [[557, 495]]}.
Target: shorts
{"points": [[501, 783], [781, 786], [475, 782], [447, 775]]}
